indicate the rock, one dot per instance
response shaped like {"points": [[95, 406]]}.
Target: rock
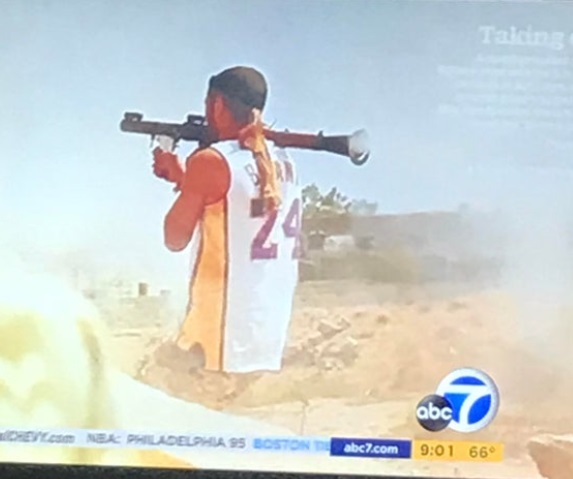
{"points": [[383, 318], [345, 351], [350, 340], [357, 315], [330, 328], [332, 364], [364, 334], [344, 322], [372, 393], [314, 339], [553, 455], [298, 354]]}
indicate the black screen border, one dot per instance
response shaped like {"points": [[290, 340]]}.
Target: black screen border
{"points": [[54, 471]]}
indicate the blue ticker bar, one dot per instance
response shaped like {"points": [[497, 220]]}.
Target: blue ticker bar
{"points": [[373, 448], [314, 445]]}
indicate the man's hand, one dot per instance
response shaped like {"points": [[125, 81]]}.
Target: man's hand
{"points": [[166, 166]]}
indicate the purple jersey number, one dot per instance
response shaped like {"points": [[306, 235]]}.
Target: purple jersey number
{"points": [[291, 229]]}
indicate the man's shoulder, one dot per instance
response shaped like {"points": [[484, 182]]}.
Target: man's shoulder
{"points": [[204, 156], [207, 174], [206, 160]]}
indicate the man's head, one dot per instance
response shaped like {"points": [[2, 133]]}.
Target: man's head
{"points": [[234, 96]]}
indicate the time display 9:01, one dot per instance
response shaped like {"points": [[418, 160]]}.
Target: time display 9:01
{"points": [[437, 450]]}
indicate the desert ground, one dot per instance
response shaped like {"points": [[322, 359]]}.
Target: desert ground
{"points": [[360, 357]]}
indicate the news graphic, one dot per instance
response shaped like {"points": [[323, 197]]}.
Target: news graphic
{"points": [[466, 400], [373, 448], [462, 451], [434, 412], [474, 399], [298, 237]]}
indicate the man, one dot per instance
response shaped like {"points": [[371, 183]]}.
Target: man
{"points": [[239, 206]]}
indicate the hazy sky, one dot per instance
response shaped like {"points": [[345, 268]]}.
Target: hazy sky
{"points": [[72, 181]]}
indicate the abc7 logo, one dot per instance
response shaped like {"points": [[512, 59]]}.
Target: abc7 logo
{"points": [[434, 413], [466, 400]]}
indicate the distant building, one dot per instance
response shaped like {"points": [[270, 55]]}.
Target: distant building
{"points": [[339, 243], [130, 305], [434, 234], [315, 240], [328, 225], [451, 245]]}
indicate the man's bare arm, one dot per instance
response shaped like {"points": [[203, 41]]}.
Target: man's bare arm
{"points": [[206, 181], [181, 220]]}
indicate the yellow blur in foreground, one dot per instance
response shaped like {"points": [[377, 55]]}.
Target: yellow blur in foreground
{"points": [[462, 451], [55, 371]]}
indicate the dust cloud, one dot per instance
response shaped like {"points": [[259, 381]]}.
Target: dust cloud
{"points": [[533, 223]]}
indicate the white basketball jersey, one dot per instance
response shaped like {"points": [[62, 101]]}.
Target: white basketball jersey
{"points": [[245, 269]]}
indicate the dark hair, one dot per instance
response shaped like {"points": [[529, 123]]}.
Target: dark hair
{"points": [[241, 113], [243, 88]]}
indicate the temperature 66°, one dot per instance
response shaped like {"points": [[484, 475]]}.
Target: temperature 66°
{"points": [[482, 452]]}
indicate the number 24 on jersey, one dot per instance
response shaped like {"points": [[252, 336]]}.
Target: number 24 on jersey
{"points": [[262, 248]]}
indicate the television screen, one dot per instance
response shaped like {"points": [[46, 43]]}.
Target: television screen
{"points": [[320, 237]]}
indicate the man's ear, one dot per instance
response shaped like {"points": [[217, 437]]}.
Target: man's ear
{"points": [[218, 105]]}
